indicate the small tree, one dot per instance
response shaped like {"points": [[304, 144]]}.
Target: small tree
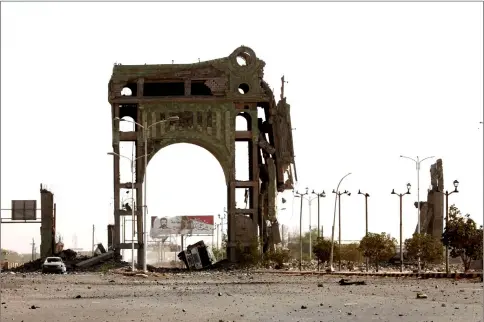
{"points": [[378, 247], [425, 246], [322, 249], [351, 253], [463, 237]]}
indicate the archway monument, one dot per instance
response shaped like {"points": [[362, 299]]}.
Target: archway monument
{"points": [[207, 97]]}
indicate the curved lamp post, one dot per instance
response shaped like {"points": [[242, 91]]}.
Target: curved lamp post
{"points": [[400, 195], [146, 128], [332, 229]]}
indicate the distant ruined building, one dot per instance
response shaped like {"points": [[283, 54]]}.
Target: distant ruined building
{"points": [[432, 210]]}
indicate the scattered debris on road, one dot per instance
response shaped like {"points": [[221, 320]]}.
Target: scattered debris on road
{"points": [[346, 282]]}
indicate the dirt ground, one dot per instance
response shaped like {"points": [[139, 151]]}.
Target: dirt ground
{"points": [[234, 296]]}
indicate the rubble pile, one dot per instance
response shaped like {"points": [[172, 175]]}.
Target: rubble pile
{"points": [[101, 261]]}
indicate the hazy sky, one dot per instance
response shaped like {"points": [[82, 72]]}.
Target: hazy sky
{"points": [[367, 83]]}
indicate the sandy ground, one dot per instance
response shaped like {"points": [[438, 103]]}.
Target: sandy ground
{"points": [[234, 296]]}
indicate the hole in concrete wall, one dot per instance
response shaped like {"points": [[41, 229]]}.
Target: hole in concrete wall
{"points": [[127, 197], [242, 198], [126, 124], [243, 88], [242, 161], [126, 91], [130, 110], [261, 113], [198, 88], [164, 89], [243, 122], [127, 150], [243, 59]]}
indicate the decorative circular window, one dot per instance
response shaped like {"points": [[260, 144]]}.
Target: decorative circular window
{"points": [[243, 88]]}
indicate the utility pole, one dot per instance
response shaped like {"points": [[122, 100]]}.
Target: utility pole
{"points": [[93, 231], [400, 195], [367, 262], [301, 195], [338, 194], [217, 236], [319, 195]]}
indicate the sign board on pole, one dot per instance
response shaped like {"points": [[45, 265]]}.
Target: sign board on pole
{"points": [[181, 225], [24, 209]]}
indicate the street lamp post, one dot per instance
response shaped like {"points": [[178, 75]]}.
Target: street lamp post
{"points": [[319, 195], [301, 195], [338, 194], [417, 165], [447, 193], [366, 195], [400, 195], [332, 228], [146, 128]]}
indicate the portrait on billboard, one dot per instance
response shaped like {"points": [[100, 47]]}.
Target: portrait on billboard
{"points": [[181, 225]]}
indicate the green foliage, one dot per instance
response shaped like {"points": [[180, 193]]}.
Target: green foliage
{"points": [[219, 253], [428, 248], [322, 250], [278, 257], [351, 253], [294, 244], [378, 247], [249, 256], [463, 237]]}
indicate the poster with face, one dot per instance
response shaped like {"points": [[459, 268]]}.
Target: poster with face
{"points": [[184, 225]]}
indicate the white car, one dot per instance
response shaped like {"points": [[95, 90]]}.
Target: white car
{"points": [[54, 265]]}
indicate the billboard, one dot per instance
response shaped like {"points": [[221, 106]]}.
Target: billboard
{"points": [[24, 209], [184, 225]]}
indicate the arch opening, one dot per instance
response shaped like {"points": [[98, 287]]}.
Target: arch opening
{"points": [[243, 122], [183, 179]]}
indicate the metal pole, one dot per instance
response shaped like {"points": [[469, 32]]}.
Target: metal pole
{"points": [[319, 218], [401, 233], [418, 203], [310, 234], [339, 230], [217, 237], [446, 223], [132, 216], [366, 228], [332, 228], [300, 234], [93, 229], [319, 235], [124, 235], [145, 209]]}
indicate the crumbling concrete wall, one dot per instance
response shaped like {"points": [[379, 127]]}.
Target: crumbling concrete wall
{"points": [[47, 232], [432, 211]]}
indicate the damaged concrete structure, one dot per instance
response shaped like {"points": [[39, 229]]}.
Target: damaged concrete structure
{"points": [[207, 98], [432, 210], [48, 222]]}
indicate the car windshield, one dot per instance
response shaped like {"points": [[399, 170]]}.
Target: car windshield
{"points": [[53, 260]]}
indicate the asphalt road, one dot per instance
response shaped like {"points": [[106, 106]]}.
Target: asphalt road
{"points": [[214, 296]]}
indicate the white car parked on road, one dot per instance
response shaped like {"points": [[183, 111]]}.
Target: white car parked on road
{"points": [[54, 265]]}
